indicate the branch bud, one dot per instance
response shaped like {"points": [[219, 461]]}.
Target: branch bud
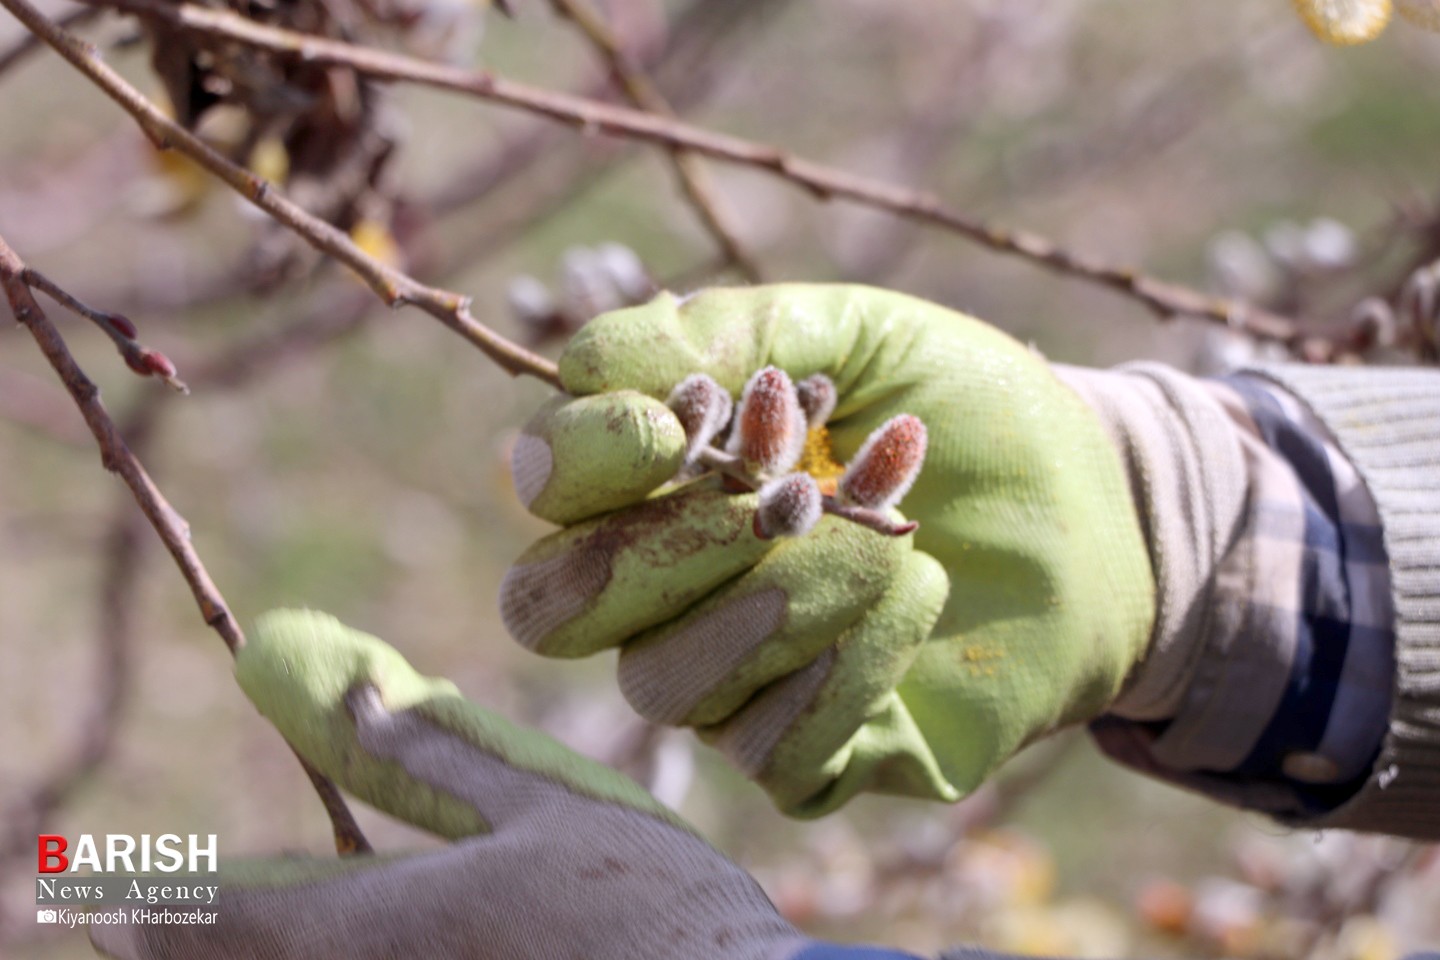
{"points": [[123, 325]]}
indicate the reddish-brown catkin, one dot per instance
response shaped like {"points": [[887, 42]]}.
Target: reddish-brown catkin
{"points": [[817, 398], [887, 464], [789, 507], [703, 408], [769, 430]]}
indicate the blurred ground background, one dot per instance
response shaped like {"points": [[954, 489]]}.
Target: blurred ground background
{"points": [[367, 477]]}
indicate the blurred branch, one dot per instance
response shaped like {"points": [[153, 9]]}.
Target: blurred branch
{"points": [[29, 403], [643, 93], [391, 285], [123, 552], [922, 139], [994, 802], [1377, 868], [696, 40], [330, 319], [172, 528], [28, 43], [1163, 298]]}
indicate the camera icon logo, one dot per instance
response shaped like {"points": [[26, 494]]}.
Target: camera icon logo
{"points": [[47, 916]]}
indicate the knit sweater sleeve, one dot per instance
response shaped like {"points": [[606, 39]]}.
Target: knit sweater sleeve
{"points": [[1387, 423]]}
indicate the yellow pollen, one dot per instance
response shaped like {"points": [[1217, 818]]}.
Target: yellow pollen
{"points": [[818, 460]]}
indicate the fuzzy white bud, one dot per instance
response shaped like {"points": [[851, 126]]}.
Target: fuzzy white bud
{"points": [[703, 408], [790, 506], [817, 398], [530, 300], [626, 272]]}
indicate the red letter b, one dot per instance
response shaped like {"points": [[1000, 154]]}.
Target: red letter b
{"points": [[51, 846]]}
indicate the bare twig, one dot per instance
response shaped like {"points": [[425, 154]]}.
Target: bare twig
{"points": [[141, 359], [1163, 298], [172, 528], [349, 838], [115, 455], [642, 92], [393, 286]]}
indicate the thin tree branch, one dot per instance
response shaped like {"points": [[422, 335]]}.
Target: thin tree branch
{"points": [[116, 456], [1163, 298], [644, 94], [393, 286], [172, 528]]}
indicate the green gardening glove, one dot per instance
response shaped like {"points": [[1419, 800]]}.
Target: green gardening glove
{"points": [[842, 660], [552, 856]]}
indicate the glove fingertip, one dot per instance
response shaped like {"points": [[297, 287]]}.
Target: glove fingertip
{"points": [[299, 665], [580, 458], [299, 669]]}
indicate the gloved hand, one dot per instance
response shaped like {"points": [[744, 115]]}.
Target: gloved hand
{"points": [[553, 856], [842, 660]]}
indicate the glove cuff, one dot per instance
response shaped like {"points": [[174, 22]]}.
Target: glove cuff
{"points": [[1187, 476]]}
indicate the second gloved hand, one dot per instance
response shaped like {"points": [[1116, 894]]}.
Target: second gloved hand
{"points": [[842, 660], [551, 856]]}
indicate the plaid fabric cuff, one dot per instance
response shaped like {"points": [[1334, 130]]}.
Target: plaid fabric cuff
{"points": [[1387, 422], [1290, 702]]}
